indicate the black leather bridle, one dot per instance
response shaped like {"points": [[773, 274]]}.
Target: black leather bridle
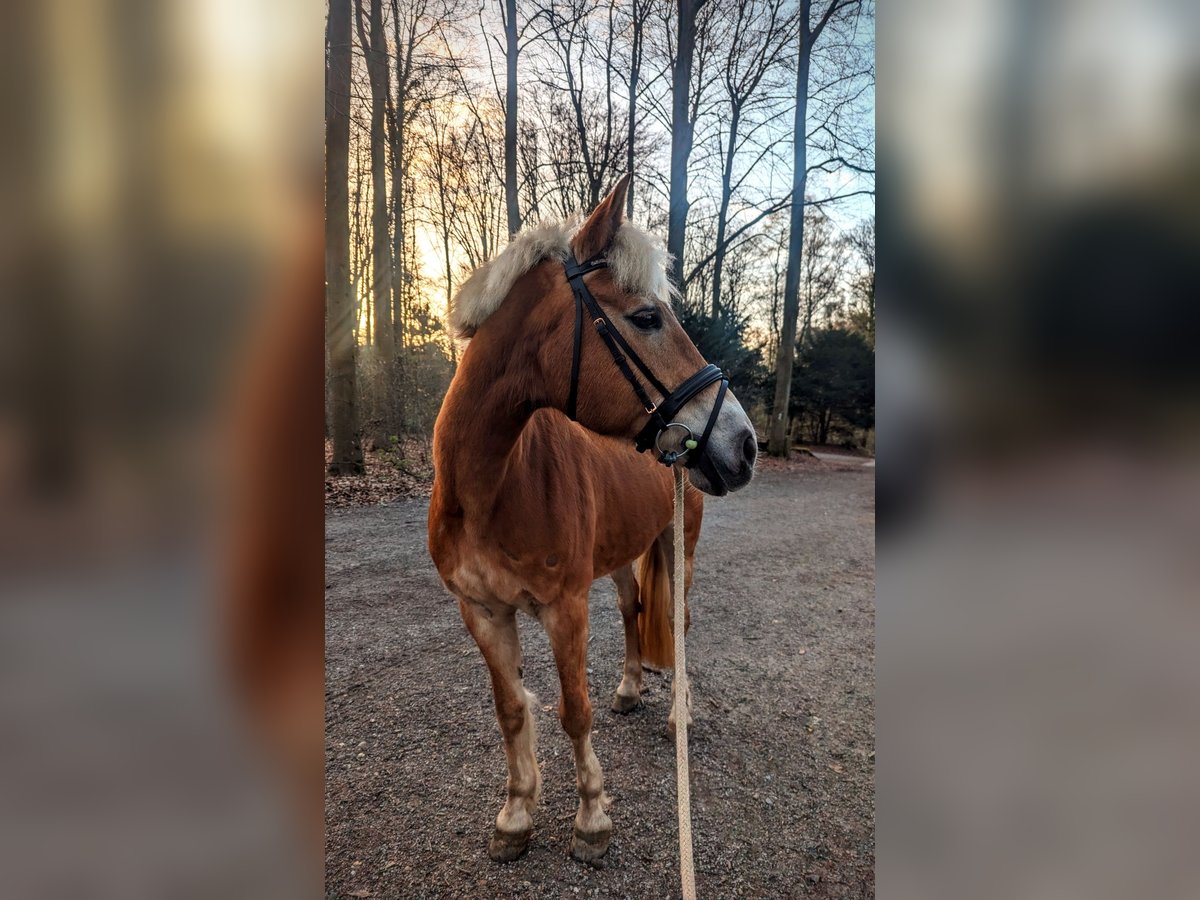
{"points": [[662, 413]]}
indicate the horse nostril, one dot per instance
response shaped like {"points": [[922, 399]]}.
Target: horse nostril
{"points": [[750, 448]]}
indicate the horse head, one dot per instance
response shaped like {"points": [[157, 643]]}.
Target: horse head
{"points": [[595, 301]]}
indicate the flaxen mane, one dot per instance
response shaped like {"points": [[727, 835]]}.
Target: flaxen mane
{"points": [[638, 263]]}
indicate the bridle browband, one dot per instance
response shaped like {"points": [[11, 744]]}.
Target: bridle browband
{"points": [[662, 413]]}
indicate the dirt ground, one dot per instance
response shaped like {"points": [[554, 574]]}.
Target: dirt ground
{"points": [[781, 653]]}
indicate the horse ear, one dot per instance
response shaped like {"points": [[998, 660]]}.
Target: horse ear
{"points": [[597, 232]]}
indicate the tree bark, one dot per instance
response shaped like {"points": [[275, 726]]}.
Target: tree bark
{"points": [[375, 50], [396, 110], [681, 136], [635, 70], [785, 357], [339, 302], [510, 117]]}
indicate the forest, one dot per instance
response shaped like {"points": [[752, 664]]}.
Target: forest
{"points": [[748, 127]]}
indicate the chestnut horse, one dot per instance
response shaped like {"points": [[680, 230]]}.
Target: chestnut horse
{"points": [[530, 507]]}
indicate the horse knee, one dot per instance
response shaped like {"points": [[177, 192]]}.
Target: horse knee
{"points": [[511, 714], [576, 718], [511, 722]]}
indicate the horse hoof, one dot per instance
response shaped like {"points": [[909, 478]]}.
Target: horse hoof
{"points": [[506, 846], [588, 848], [622, 704]]}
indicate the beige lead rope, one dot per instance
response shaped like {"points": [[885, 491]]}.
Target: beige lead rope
{"points": [[687, 870]]}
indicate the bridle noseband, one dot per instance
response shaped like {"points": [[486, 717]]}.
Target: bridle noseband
{"points": [[661, 414]]}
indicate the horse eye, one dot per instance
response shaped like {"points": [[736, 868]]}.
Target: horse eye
{"points": [[647, 320]]}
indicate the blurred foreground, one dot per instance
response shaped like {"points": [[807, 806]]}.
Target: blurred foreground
{"points": [[161, 328], [1038, 481]]}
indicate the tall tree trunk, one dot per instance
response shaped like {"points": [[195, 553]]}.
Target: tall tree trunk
{"points": [[397, 318], [723, 211], [510, 117], [375, 50], [395, 109], [362, 331], [635, 71], [681, 136], [399, 133], [786, 355], [339, 301]]}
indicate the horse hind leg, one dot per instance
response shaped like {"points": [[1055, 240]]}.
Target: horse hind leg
{"points": [[495, 631], [566, 624], [629, 691]]}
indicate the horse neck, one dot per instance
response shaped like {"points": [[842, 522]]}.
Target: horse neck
{"points": [[496, 389]]}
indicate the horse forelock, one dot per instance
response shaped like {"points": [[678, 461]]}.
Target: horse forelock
{"points": [[638, 262]]}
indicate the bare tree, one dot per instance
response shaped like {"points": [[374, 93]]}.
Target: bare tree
{"points": [[862, 317], [756, 39], [510, 116], [584, 121], [639, 14], [822, 265], [339, 303], [478, 225], [682, 126], [810, 34], [375, 50], [529, 167], [442, 196], [421, 78]]}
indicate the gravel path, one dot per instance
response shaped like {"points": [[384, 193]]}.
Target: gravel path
{"points": [[781, 651]]}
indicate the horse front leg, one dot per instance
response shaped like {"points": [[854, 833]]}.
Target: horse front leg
{"points": [[566, 624], [629, 691], [495, 631]]}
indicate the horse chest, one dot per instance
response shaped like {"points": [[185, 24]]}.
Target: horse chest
{"points": [[491, 572]]}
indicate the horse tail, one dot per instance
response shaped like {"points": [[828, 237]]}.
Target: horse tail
{"points": [[654, 614]]}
